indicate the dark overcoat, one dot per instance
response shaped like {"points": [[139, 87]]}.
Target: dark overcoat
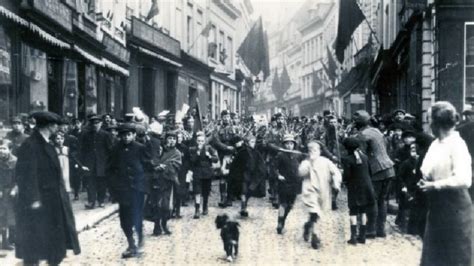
{"points": [[357, 178], [248, 173], [201, 165], [94, 147], [287, 166], [7, 182], [45, 233], [126, 169]]}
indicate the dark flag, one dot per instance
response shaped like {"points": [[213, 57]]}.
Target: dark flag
{"points": [[317, 84], [350, 16], [332, 66], [198, 119], [154, 10], [253, 50], [276, 86], [266, 69], [285, 81]]}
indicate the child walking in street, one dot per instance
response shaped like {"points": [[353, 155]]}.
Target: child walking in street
{"points": [[320, 178], [360, 192], [8, 191]]}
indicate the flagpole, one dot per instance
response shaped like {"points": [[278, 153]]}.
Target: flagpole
{"points": [[368, 24]]}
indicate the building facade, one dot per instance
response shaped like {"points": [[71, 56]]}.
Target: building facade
{"points": [[77, 57]]}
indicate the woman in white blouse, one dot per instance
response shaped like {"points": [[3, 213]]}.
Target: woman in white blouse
{"points": [[447, 176]]}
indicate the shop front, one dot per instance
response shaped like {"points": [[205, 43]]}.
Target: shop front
{"points": [[155, 61], [193, 84], [225, 94]]}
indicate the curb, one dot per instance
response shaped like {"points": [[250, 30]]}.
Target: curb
{"points": [[91, 221]]}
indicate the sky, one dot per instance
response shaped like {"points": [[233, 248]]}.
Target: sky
{"points": [[275, 10]]}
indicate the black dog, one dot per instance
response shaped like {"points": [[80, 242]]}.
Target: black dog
{"points": [[229, 235]]}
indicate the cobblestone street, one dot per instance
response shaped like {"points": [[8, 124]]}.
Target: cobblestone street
{"points": [[198, 242]]}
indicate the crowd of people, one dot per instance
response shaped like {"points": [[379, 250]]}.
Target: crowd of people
{"points": [[154, 167]]}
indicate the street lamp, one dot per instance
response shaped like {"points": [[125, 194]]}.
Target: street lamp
{"points": [[256, 85]]}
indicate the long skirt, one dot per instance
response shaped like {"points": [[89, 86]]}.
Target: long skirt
{"points": [[448, 237]]}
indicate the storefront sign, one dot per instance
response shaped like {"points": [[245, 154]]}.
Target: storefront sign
{"points": [[154, 37], [115, 48], [416, 4], [55, 10]]}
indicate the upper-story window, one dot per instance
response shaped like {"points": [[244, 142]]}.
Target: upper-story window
{"points": [[469, 64]]}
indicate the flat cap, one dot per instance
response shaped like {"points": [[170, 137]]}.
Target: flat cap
{"points": [[126, 127], [16, 119], [94, 117], [225, 112], [45, 118], [398, 111]]}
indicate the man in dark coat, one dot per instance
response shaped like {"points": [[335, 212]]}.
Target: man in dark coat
{"points": [[126, 168], [45, 222], [94, 146]]}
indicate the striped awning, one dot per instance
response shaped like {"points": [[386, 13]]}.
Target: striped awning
{"points": [[162, 58], [12, 16], [88, 56], [48, 37], [112, 66]]}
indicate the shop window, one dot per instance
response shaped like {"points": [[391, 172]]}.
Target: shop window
{"points": [[35, 77], [90, 89], [7, 102], [70, 88], [469, 64]]}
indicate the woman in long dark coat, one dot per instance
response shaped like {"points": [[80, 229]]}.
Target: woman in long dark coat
{"points": [[181, 189], [45, 222], [159, 204], [447, 176]]}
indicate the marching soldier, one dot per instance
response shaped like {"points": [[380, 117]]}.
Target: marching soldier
{"points": [[222, 143], [274, 143]]}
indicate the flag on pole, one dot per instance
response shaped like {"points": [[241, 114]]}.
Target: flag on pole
{"points": [[154, 10], [317, 84], [332, 66], [276, 86], [253, 50], [207, 29], [285, 81], [198, 121], [350, 17]]}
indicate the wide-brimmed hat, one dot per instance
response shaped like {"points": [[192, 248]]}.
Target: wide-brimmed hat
{"points": [[289, 137]]}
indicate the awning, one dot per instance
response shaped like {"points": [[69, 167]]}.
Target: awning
{"points": [[162, 58], [112, 66], [48, 37], [91, 58], [12, 16]]}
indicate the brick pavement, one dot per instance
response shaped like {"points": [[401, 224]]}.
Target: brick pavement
{"points": [[197, 242]]}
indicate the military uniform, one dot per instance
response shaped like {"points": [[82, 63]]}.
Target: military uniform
{"points": [[222, 139], [274, 143]]}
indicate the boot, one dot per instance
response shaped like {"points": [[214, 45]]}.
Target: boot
{"points": [[196, 211], [204, 205], [222, 190], [315, 242], [164, 225], [361, 237], [141, 242], [307, 231], [353, 239], [178, 210], [157, 229], [5, 243], [281, 224], [131, 251]]}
